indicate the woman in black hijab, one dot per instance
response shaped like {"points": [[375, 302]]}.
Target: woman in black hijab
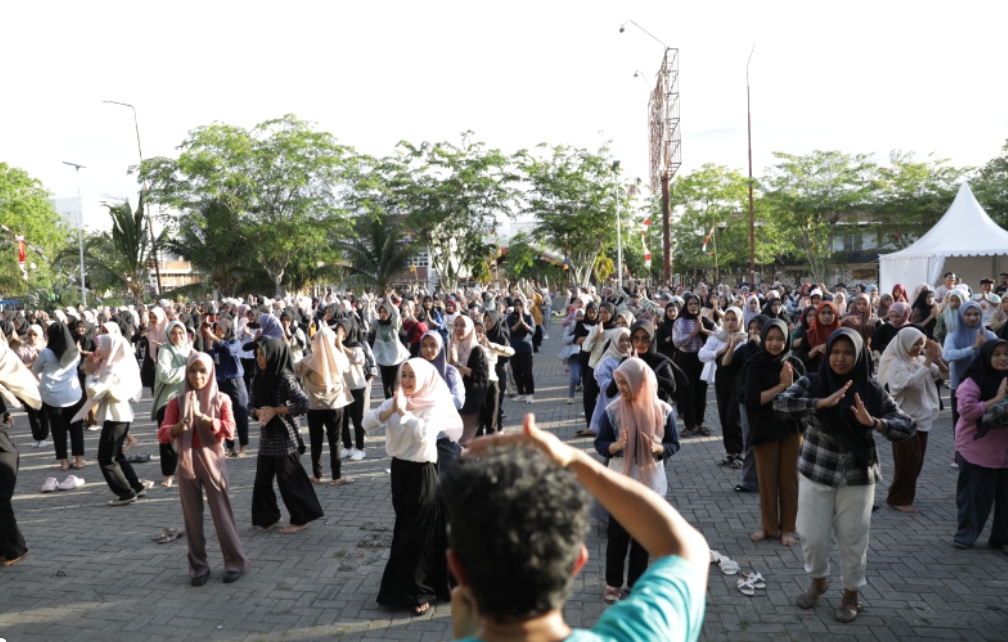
{"points": [[581, 332], [732, 368], [665, 344], [496, 330], [276, 399], [645, 344], [841, 408], [776, 443], [924, 313], [56, 367], [690, 332]]}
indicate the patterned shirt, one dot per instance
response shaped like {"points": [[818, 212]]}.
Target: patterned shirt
{"points": [[681, 330], [279, 437], [823, 458]]}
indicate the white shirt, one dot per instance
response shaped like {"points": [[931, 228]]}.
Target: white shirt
{"points": [[59, 387], [104, 390], [407, 437]]}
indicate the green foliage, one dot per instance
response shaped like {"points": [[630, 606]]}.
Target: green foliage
{"points": [[25, 208], [115, 261], [376, 251], [912, 196], [281, 178], [991, 187], [573, 195]]}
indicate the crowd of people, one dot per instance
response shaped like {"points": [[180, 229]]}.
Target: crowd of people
{"points": [[806, 378]]}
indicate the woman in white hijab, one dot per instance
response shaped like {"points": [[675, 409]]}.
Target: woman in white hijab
{"points": [[909, 366], [420, 408], [28, 352], [322, 375], [113, 380]]}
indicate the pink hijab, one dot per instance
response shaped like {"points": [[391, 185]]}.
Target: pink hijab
{"points": [[643, 415], [208, 402], [464, 346], [158, 334], [432, 400]]}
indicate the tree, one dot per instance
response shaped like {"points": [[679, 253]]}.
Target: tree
{"points": [[990, 185], [116, 260], [814, 197], [210, 239], [25, 209], [454, 194], [282, 178], [911, 197], [377, 251], [572, 195]]}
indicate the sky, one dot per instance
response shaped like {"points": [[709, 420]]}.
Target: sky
{"points": [[859, 77]]}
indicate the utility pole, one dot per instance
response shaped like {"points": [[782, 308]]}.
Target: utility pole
{"points": [[752, 225], [80, 230]]}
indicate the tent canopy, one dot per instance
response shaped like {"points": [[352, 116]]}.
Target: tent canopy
{"points": [[965, 238]]}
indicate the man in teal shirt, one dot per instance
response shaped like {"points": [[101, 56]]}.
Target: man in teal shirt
{"points": [[518, 516]]}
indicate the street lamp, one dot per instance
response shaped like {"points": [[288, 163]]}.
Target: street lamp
{"points": [[622, 28], [619, 228], [640, 74], [150, 226], [80, 230], [752, 232]]}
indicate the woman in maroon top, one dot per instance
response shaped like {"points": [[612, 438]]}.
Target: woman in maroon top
{"points": [[414, 327]]}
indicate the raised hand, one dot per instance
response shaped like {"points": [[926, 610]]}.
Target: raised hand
{"points": [[399, 403], [861, 413], [1002, 391], [786, 375], [833, 399], [981, 339]]}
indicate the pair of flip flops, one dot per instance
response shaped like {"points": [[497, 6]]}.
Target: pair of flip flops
{"points": [[167, 535], [138, 459], [748, 583]]}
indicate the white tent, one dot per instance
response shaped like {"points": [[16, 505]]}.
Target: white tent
{"points": [[965, 241]]}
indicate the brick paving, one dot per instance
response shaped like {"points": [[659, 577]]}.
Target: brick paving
{"points": [[94, 574]]}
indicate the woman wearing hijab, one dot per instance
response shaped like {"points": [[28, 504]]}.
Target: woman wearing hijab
{"points": [[962, 346], [488, 421], [899, 294], [569, 356], [841, 407], [245, 331], [860, 318], [752, 308], [169, 378], [982, 444], [199, 419], [644, 339], [348, 342], [421, 408], [113, 381], [470, 359], [618, 348], [16, 381], [432, 350], [776, 443], [223, 346], [276, 399], [690, 332], [323, 375], [155, 334], [28, 352], [522, 329], [56, 368], [292, 334], [947, 320], [389, 352], [899, 316], [923, 312], [637, 435], [498, 334], [718, 344], [827, 321], [664, 330], [909, 367], [582, 331]]}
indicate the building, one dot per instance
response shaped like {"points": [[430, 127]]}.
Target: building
{"points": [[69, 210]]}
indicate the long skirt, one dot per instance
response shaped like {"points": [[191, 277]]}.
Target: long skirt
{"points": [[191, 494], [295, 489], [417, 571], [12, 543]]}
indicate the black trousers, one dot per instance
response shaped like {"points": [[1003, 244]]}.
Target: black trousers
{"points": [[955, 411], [389, 376], [236, 390], [39, 423], [12, 543], [537, 338], [248, 371], [354, 413], [117, 471], [295, 490], [979, 489], [616, 552], [489, 414], [59, 422], [521, 368], [728, 415], [169, 451], [502, 378], [694, 396], [589, 397], [325, 423]]}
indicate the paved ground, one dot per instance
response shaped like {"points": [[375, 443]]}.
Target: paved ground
{"points": [[93, 574]]}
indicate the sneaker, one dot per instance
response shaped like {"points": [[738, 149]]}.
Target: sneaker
{"points": [[954, 465], [70, 483], [344, 453], [40, 443], [94, 428], [146, 483], [570, 401], [122, 502], [529, 399], [519, 399], [50, 485], [141, 493], [357, 455]]}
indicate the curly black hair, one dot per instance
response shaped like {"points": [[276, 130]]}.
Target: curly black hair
{"points": [[516, 522]]}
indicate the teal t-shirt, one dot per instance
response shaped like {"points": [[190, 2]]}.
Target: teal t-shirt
{"points": [[666, 605]]}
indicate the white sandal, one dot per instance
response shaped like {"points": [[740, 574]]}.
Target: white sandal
{"points": [[728, 565], [745, 585], [756, 579]]}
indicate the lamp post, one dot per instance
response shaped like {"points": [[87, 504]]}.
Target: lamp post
{"points": [[752, 227], [150, 226], [80, 230], [619, 228]]}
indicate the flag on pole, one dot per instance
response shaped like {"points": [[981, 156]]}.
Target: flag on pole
{"points": [[707, 240], [643, 240], [21, 255]]}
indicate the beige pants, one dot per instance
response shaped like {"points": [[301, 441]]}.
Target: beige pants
{"points": [[777, 470], [191, 494]]}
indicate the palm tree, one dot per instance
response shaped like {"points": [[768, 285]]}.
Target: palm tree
{"points": [[210, 239], [378, 252], [116, 260]]}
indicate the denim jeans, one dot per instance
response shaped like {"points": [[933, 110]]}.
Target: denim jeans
{"points": [[575, 375]]}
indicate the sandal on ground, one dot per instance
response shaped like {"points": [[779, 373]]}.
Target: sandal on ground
{"points": [[686, 432], [736, 463], [585, 433], [6, 562], [755, 579], [725, 461], [316, 480], [848, 611], [138, 459], [612, 595], [811, 595], [728, 566], [420, 610], [168, 535], [703, 431], [343, 480], [739, 488], [745, 586]]}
